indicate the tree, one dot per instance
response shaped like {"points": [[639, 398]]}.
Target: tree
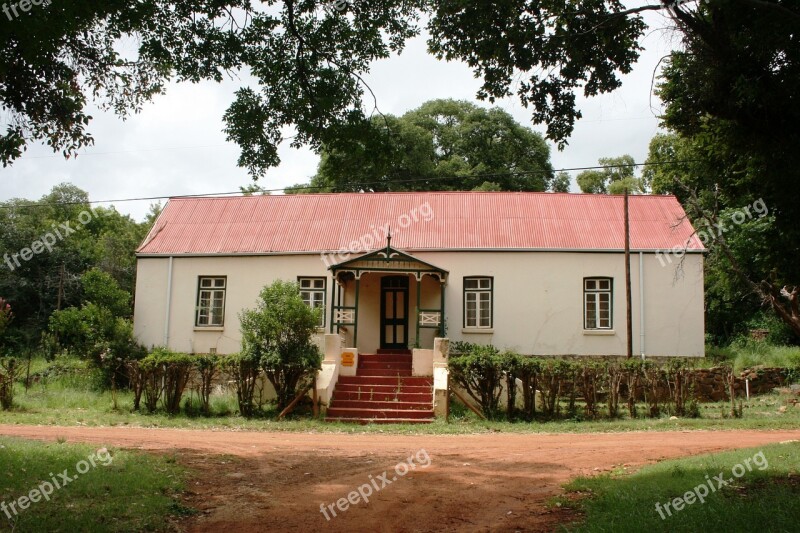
{"points": [[278, 335], [442, 145], [308, 62], [73, 238], [561, 182], [617, 175], [731, 107]]}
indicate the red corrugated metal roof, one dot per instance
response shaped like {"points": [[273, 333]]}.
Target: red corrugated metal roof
{"points": [[445, 221]]}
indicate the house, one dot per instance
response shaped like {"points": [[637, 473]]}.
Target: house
{"points": [[539, 273]]}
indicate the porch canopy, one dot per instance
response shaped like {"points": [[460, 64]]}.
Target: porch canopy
{"points": [[386, 260]]}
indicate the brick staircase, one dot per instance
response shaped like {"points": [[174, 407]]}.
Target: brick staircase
{"points": [[383, 392]]}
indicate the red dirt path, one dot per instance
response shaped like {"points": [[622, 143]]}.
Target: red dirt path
{"points": [[252, 481]]}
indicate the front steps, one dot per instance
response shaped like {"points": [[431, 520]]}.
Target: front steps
{"points": [[383, 391]]}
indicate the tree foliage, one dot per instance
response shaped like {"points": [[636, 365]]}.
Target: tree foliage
{"points": [[107, 242], [442, 145], [730, 103], [278, 335], [617, 174]]}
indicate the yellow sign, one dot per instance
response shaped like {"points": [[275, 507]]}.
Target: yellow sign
{"points": [[348, 358]]}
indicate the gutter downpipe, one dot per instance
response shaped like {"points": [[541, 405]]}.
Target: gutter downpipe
{"points": [[641, 303], [169, 303]]}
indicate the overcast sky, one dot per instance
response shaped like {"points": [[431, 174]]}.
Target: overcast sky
{"points": [[175, 146]]}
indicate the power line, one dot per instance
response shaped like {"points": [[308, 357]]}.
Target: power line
{"points": [[355, 184]]}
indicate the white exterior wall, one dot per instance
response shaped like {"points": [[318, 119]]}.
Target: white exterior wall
{"points": [[538, 301]]}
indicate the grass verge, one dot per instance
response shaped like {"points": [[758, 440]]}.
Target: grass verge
{"points": [[762, 490], [125, 491]]}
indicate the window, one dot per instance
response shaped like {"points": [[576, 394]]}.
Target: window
{"points": [[211, 302], [312, 290], [597, 294], [478, 302]]}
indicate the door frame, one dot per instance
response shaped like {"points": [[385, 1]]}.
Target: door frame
{"points": [[403, 287]]}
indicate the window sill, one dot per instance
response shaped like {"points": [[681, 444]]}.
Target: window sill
{"points": [[601, 332], [478, 330], [209, 328]]}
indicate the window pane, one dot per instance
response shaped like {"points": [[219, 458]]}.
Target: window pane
{"points": [[205, 282], [319, 283], [485, 283], [605, 284], [591, 284], [470, 283], [219, 282]]}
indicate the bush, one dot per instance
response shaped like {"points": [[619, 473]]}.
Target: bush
{"points": [[480, 372], [278, 335], [163, 375], [244, 370], [8, 373], [206, 367]]}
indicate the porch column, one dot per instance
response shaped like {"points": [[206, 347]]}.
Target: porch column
{"points": [[355, 325], [419, 292], [333, 303], [441, 318]]}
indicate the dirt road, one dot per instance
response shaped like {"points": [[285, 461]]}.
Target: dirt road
{"points": [[250, 481]]}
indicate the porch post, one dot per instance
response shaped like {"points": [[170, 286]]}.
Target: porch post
{"points": [[355, 325], [419, 292], [441, 318], [333, 302]]}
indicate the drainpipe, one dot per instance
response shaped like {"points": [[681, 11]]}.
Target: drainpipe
{"points": [[641, 303], [169, 303]]}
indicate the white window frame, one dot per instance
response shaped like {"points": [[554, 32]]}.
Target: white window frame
{"points": [[211, 289], [595, 290], [483, 292], [314, 292]]}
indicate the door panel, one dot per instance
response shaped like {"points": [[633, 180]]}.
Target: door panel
{"points": [[394, 312]]}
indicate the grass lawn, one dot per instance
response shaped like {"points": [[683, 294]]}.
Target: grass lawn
{"points": [[124, 491], [764, 497]]}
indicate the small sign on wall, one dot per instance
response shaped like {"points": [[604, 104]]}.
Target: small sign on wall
{"points": [[348, 358]]}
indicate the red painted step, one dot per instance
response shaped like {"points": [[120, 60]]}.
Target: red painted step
{"points": [[382, 351], [382, 365], [377, 372], [380, 389], [383, 405], [384, 380], [376, 358], [343, 412], [365, 421], [379, 395]]}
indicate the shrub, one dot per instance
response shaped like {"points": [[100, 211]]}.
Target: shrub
{"points": [[6, 316], [244, 370], [527, 370], [480, 372], [8, 373], [164, 375], [206, 366], [278, 335]]}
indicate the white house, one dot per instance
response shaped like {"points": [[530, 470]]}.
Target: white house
{"points": [[397, 274], [539, 273]]}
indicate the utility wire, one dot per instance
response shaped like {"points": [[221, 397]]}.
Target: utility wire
{"points": [[355, 184]]}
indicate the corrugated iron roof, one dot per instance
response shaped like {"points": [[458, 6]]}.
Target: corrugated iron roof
{"points": [[310, 223]]}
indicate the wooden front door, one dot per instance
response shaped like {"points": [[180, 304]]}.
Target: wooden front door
{"points": [[394, 312]]}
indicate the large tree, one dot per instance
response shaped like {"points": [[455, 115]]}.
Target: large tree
{"points": [[616, 175], [309, 61], [442, 145], [731, 99]]}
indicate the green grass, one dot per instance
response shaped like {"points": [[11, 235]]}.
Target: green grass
{"points": [[134, 492], [69, 396], [750, 353], [758, 500]]}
